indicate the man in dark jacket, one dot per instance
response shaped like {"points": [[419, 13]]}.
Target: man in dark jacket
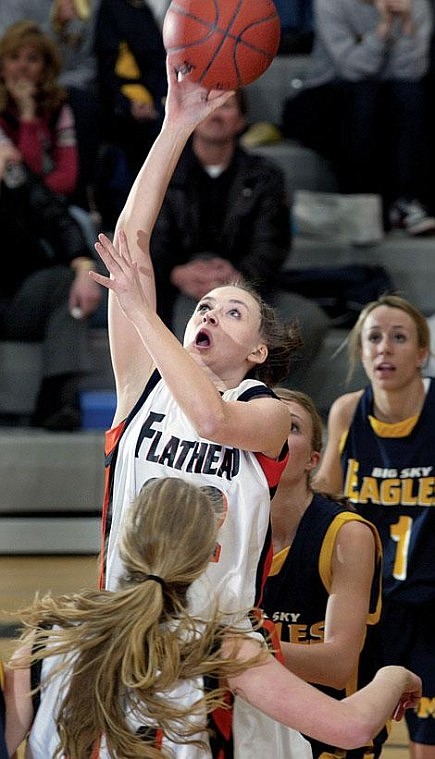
{"points": [[47, 294], [226, 215]]}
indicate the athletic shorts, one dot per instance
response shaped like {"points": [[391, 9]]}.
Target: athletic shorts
{"points": [[407, 635]]}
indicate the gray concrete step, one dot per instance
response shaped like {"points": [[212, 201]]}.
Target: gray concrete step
{"points": [[52, 491]]}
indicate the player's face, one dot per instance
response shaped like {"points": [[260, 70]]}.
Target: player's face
{"points": [[225, 123], [390, 352], [302, 457], [224, 332], [24, 63]]}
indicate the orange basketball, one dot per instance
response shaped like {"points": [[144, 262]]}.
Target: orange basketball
{"points": [[223, 44]]}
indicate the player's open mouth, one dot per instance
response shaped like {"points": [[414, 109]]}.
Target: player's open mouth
{"points": [[202, 339]]}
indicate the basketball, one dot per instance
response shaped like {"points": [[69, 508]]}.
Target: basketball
{"points": [[222, 44]]}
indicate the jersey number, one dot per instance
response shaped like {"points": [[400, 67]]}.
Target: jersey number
{"points": [[400, 532]]}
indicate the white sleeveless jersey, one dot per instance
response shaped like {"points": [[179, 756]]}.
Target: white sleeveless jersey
{"points": [[43, 738], [256, 735], [158, 440]]}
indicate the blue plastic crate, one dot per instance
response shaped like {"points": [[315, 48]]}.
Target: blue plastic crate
{"points": [[97, 408]]}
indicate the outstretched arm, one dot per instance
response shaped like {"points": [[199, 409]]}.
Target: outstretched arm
{"points": [[349, 723], [186, 106]]}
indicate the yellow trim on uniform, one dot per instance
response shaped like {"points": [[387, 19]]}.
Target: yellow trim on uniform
{"points": [[385, 429], [342, 442], [2, 675], [278, 560], [394, 429], [325, 558]]}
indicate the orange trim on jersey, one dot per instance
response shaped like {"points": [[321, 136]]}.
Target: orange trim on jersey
{"points": [[272, 468], [110, 441], [96, 749]]}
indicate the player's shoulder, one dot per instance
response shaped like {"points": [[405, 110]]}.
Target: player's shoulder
{"points": [[343, 408], [347, 402]]}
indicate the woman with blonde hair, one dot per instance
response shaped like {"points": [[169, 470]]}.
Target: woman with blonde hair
{"points": [[131, 673], [380, 453]]}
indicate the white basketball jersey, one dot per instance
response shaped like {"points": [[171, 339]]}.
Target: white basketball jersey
{"points": [[158, 440]]}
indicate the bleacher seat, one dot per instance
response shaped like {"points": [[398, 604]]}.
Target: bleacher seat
{"points": [[20, 374]]}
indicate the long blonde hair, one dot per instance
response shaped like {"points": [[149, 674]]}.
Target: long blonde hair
{"points": [[132, 645]]}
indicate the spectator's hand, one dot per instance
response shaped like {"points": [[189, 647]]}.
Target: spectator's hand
{"points": [[143, 111], [85, 294], [201, 275], [23, 91], [385, 18], [8, 154], [401, 9]]}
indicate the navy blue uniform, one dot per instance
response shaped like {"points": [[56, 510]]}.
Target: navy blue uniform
{"points": [[296, 596], [389, 476]]}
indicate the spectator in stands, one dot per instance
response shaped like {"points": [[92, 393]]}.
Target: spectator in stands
{"points": [[70, 23], [47, 285], [132, 82], [364, 102], [226, 216], [35, 114], [297, 26]]}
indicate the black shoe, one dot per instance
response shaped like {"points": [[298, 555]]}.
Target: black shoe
{"points": [[66, 419]]}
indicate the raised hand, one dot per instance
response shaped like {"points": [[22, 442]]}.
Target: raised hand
{"points": [[188, 103], [124, 280]]}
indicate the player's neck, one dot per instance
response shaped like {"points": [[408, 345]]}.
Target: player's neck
{"points": [[395, 407], [288, 507]]}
